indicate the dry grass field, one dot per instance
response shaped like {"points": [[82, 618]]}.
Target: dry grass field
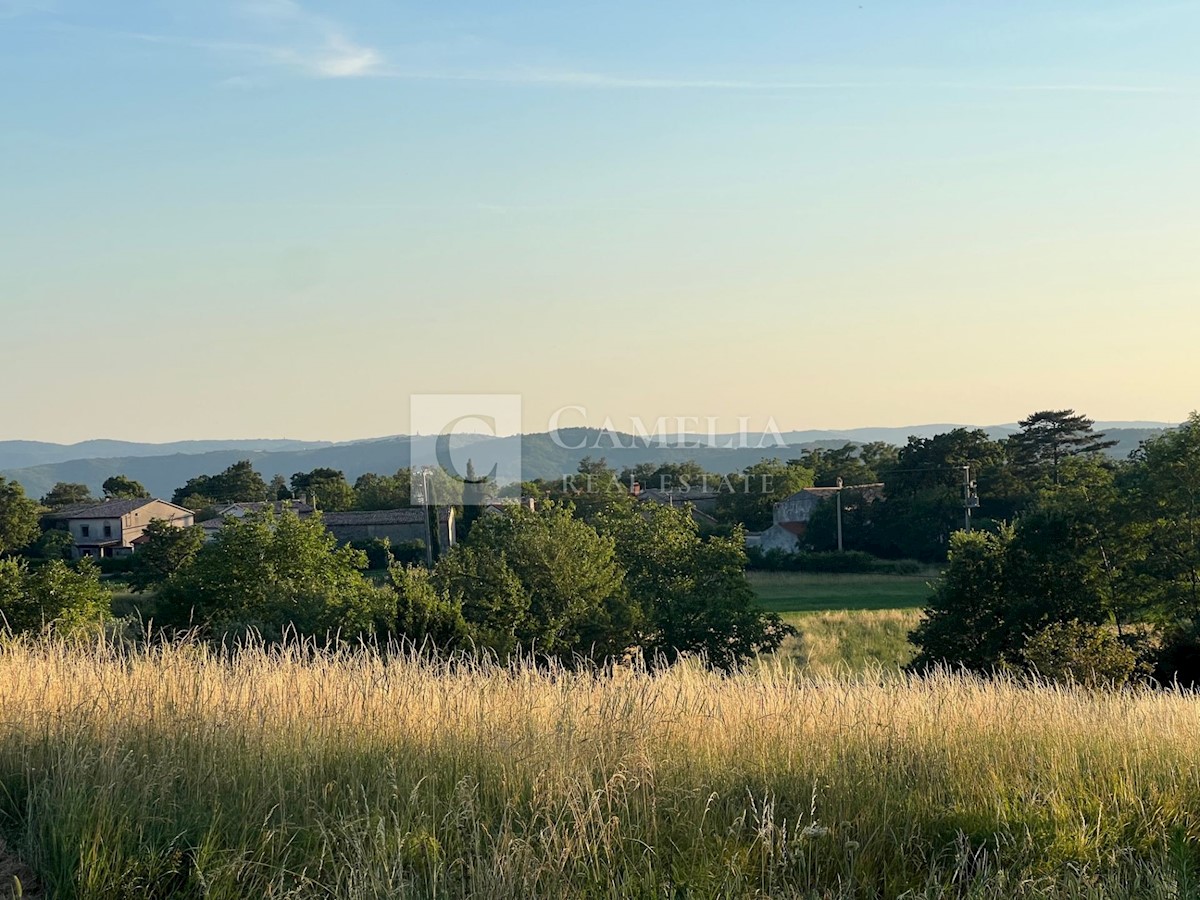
{"points": [[177, 772]]}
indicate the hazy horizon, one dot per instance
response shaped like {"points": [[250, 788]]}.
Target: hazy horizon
{"points": [[1106, 423], [285, 216]]}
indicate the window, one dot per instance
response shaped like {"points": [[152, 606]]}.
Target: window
{"points": [[85, 530], [108, 531]]}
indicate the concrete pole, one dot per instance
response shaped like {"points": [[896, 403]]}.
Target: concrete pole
{"points": [[839, 513]]}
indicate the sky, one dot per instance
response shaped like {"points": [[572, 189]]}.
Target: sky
{"points": [[282, 218]]}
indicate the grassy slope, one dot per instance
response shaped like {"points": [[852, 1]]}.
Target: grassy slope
{"points": [[846, 623]]}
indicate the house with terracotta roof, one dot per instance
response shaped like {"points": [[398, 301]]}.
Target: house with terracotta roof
{"points": [[116, 527], [791, 515]]}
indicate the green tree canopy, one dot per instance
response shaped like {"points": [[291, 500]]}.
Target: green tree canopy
{"points": [[1161, 498], [271, 573], [325, 488], [850, 462], [118, 487], [67, 494], [240, 483], [689, 594], [556, 566], [1049, 437], [751, 495], [18, 517], [54, 595], [167, 550], [373, 492]]}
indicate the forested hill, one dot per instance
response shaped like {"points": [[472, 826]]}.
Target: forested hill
{"points": [[24, 454], [164, 467]]}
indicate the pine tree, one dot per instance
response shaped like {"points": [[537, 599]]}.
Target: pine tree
{"points": [[1048, 437]]}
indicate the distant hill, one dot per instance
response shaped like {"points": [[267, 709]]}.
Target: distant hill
{"points": [[542, 457], [23, 454]]}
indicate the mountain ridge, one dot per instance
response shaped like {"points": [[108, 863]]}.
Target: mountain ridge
{"points": [[541, 456]]}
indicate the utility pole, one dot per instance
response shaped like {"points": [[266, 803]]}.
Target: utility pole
{"points": [[839, 512], [969, 499]]}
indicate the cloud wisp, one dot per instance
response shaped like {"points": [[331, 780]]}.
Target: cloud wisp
{"points": [[600, 80], [311, 42]]}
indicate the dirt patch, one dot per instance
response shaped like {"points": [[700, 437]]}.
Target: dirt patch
{"points": [[13, 872]]}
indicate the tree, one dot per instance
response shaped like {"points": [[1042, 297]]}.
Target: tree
{"points": [[274, 572], [924, 494], [326, 488], [493, 604], [278, 489], [118, 487], [237, 484], [18, 517], [594, 487], [752, 494], [476, 492], [670, 476], [423, 614], [1000, 589], [55, 543], [167, 550], [54, 595], [689, 594], [373, 492], [1160, 502], [1048, 437], [853, 464], [67, 494], [567, 575]]}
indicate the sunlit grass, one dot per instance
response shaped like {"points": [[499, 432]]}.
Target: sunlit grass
{"points": [[175, 772], [841, 642]]}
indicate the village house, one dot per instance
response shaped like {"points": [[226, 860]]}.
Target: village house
{"points": [[791, 515], [228, 511], [115, 527], [400, 526]]}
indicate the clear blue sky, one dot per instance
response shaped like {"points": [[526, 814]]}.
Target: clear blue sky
{"points": [[227, 218]]}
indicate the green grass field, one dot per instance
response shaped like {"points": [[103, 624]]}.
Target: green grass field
{"points": [[845, 623], [792, 592]]}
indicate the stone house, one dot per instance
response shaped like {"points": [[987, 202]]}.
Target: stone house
{"points": [[400, 526], [792, 514], [115, 527], [228, 511]]}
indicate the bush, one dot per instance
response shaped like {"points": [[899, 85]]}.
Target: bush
{"points": [[1079, 653], [277, 573], [116, 565], [378, 552], [53, 596]]}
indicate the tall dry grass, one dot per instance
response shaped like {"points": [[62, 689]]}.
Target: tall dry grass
{"points": [[845, 642], [177, 772]]}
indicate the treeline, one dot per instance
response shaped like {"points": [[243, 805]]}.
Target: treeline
{"points": [[1095, 576], [326, 488], [531, 582]]}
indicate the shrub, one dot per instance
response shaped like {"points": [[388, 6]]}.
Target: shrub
{"points": [[274, 573], [377, 550], [53, 596], [1079, 653], [116, 565]]}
